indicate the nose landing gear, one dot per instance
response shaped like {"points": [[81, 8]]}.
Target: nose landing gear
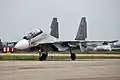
{"points": [[43, 56]]}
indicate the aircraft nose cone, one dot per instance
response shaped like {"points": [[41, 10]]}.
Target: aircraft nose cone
{"points": [[22, 44]]}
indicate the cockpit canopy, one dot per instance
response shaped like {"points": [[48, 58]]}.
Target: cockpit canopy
{"points": [[33, 34]]}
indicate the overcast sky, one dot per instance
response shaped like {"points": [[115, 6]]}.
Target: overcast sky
{"points": [[17, 17]]}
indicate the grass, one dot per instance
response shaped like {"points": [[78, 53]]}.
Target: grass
{"points": [[17, 57], [96, 52], [55, 57], [74, 51], [82, 57]]}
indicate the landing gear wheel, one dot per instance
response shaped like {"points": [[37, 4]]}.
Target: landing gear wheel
{"points": [[73, 56], [40, 58], [43, 56]]}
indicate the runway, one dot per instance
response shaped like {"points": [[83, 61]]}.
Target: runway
{"points": [[61, 70]]}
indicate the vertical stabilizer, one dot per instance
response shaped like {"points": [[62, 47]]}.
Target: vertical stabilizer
{"points": [[54, 28], [82, 30]]}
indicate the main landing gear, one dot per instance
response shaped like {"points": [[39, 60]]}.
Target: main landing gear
{"points": [[73, 55]]}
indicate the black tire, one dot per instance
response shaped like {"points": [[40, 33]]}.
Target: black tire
{"points": [[40, 58], [73, 56], [43, 56]]}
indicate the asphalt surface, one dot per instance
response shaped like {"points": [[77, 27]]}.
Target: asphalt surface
{"points": [[60, 70]]}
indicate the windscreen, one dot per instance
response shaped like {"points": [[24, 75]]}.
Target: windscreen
{"points": [[33, 34]]}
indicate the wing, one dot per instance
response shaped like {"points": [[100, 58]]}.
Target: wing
{"points": [[73, 42], [58, 42]]}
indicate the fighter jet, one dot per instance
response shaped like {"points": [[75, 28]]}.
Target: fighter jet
{"points": [[109, 47], [44, 43], [115, 47]]}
